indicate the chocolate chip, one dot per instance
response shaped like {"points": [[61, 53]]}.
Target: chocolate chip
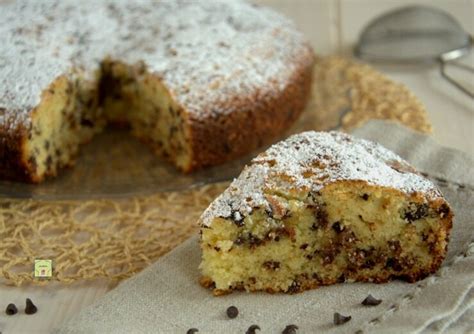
{"points": [[11, 309], [254, 241], [365, 197], [192, 331], [290, 329], [295, 287], [252, 329], [443, 210], [371, 301], [315, 226], [304, 246], [238, 241], [369, 264], [416, 211], [232, 312], [394, 246], [30, 307], [338, 227], [322, 217], [394, 264], [87, 123], [271, 265], [340, 319], [49, 162]]}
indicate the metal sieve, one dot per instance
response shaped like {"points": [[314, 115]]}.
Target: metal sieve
{"points": [[416, 34]]}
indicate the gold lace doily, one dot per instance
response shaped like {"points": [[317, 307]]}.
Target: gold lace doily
{"points": [[115, 238]]}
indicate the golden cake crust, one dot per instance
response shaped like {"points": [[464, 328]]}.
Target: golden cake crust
{"points": [[254, 122]]}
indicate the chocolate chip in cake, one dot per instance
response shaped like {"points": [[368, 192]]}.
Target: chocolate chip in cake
{"points": [[11, 309], [416, 211], [290, 329], [303, 246], [395, 246], [30, 307], [315, 226], [87, 123], [328, 254], [394, 264], [239, 241], [338, 227], [232, 312], [49, 162], [369, 264], [340, 319], [252, 329], [365, 197], [271, 265], [192, 331], [321, 216], [254, 241], [371, 301], [443, 210], [294, 287]]}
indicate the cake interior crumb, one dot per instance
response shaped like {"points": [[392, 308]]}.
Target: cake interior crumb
{"points": [[74, 109], [348, 231]]}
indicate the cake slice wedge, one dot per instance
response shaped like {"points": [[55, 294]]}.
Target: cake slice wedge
{"points": [[321, 208]]}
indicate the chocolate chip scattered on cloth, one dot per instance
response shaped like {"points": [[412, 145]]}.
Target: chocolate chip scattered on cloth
{"points": [[167, 296]]}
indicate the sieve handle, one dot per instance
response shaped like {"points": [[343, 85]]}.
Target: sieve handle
{"points": [[446, 58]]}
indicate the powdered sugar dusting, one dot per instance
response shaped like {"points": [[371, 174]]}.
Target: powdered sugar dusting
{"points": [[206, 52], [312, 160]]}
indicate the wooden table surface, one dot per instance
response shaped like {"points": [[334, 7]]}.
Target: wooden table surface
{"points": [[333, 27]]}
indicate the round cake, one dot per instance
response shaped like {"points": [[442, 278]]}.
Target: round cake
{"points": [[200, 82], [321, 208]]}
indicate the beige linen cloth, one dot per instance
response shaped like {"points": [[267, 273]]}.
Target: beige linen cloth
{"points": [[166, 297]]}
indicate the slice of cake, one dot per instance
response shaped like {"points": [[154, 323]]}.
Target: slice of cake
{"points": [[321, 208]]}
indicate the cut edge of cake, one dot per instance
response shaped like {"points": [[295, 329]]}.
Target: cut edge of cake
{"points": [[73, 109]]}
